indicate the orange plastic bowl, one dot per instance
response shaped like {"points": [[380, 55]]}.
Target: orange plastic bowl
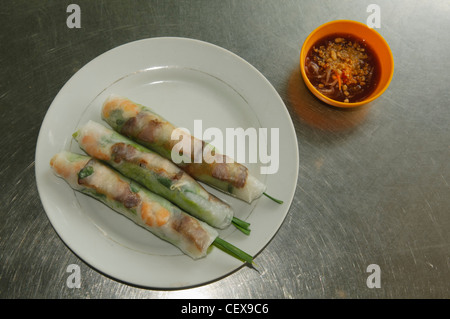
{"points": [[362, 31]]}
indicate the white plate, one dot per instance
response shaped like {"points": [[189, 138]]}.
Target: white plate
{"points": [[183, 80]]}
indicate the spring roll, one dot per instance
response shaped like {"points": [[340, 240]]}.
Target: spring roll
{"points": [[153, 171], [145, 127], [152, 212]]}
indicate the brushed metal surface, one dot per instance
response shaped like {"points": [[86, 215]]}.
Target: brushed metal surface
{"points": [[373, 183]]}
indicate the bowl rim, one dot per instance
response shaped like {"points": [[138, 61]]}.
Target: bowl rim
{"points": [[323, 97]]}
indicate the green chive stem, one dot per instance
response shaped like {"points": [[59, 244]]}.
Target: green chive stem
{"points": [[241, 225], [274, 199], [232, 250], [245, 231]]}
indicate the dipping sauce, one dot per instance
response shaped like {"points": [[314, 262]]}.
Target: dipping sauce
{"points": [[343, 68]]}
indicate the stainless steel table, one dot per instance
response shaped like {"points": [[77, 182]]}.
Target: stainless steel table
{"points": [[373, 186]]}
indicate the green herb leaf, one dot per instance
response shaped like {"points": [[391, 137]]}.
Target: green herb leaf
{"points": [[167, 182], [85, 172], [134, 187]]}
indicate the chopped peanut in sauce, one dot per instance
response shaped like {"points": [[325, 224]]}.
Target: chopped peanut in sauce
{"points": [[343, 68]]}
